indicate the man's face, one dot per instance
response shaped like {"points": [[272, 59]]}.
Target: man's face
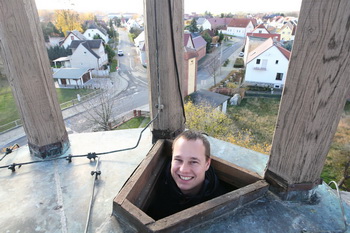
{"points": [[188, 165]]}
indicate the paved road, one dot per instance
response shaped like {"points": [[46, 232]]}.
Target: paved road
{"points": [[229, 50]]}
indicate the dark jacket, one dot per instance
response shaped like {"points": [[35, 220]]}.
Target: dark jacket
{"points": [[169, 199]]}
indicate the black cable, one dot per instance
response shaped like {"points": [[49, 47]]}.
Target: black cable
{"points": [[95, 173], [175, 60], [90, 156]]}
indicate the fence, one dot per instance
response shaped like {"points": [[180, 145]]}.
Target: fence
{"points": [[100, 73], [63, 106]]}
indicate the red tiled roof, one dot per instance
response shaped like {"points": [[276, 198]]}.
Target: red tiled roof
{"points": [[264, 35], [284, 51], [217, 22], [265, 46], [239, 23]]}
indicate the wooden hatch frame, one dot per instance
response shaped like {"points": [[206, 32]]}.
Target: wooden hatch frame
{"points": [[136, 194]]}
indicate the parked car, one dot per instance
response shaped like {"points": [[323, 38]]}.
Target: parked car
{"points": [[241, 54], [120, 53]]}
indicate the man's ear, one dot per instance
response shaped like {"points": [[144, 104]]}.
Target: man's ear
{"points": [[207, 165]]}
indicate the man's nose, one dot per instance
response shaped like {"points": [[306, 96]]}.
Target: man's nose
{"points": [[184, 167]]}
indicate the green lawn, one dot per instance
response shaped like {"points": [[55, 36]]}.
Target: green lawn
{"points": [[65, 95], [136, 122], [8, 108]]}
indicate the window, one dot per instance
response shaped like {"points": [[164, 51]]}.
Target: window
{"points": [[257, 61], [72, 37], [279, 76], [276, 62]]}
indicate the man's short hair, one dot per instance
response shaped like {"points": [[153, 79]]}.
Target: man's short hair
{"points": [[194, 135]]}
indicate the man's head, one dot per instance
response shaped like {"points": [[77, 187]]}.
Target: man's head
{"points": [[190, 161]]}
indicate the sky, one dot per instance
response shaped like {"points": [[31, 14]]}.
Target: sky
{"points": [[198, 6]]}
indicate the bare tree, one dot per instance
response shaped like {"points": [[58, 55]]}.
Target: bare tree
{"points": [[100, 109], [213, 66]]}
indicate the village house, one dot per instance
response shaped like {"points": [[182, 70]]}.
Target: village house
{"points": [[88, 54], [240, 27], [94, 30], [200, 45], [267, 65], [73, 35], [214, 24], [286, 31]]}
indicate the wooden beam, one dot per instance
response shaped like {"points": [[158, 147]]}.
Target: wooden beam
{"points": [[28, 70], [314, 95], [164, 44]]}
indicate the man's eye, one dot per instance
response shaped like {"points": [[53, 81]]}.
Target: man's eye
{"points": [[193, 162]]}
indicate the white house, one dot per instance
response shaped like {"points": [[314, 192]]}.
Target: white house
{"points": [[260, 29], [139, 39], [240, 27], [131, 23], [216, 23], [267, 65], [200, 22], [88, 54], [95, 30], [73, 35]]}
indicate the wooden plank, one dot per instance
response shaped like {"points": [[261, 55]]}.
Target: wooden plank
{"points": [[233, 174], [127, 218], [130, 185], [28, 71], [164, 41], [315, 92], [209, 210]]}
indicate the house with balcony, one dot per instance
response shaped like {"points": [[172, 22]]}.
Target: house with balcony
{"points": [[267, 65]]}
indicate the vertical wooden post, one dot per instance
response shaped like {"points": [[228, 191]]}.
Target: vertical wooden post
{"points": [[164, 43], [314, 95], [28, 70]]}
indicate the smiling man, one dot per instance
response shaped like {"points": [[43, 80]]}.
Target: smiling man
{"points": [[188, 179]]}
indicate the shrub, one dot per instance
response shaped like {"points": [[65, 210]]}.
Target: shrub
{"points": [[239, 63]]}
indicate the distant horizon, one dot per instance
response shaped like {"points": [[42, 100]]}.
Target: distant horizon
{"points": [[197, 6]]}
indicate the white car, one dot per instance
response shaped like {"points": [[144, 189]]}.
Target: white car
{"points": [[120, 53], [241, 54]]}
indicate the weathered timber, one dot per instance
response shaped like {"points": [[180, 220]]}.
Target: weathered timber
{"points": [[232, 174], [27, 68], [164, 43], [314, 95], [130, 204]]}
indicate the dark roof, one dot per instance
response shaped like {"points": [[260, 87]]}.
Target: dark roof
{"points": [[93, 44], [88, 44], [208, 97], [199, 42], [101, 29]]}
